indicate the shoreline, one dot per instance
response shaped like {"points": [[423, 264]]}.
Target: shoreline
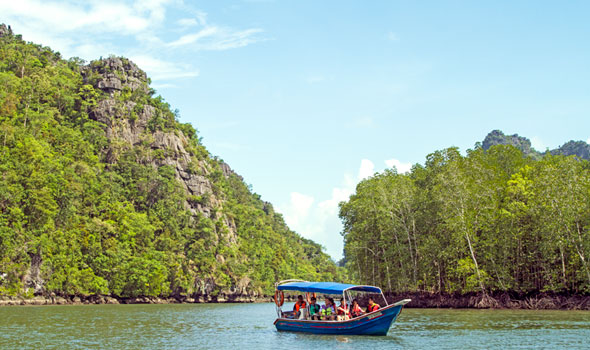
{"points": [[504, 300], [105, 299], [496, 300]]}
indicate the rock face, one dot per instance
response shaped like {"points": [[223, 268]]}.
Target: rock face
{"points": [[127, 125], [5, 30], [497, 137], [579, 149], [33, 278], [116, 73]]}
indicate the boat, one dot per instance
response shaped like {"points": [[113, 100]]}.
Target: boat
{"points": [[372, 323]]}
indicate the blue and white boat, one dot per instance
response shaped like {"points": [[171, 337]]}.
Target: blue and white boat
{"points": [[373, 323]]}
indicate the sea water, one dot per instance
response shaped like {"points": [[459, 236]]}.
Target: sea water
{"points": [[250, 326]]}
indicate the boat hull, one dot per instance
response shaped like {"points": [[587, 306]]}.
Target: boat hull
{"points": [[374, 323]]}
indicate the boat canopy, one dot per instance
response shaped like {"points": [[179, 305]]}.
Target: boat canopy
{"points": [[326, 287]]}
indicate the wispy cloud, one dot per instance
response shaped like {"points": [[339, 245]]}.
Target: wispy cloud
{"points": [[188, 39], [132, 28], [214, 37], [163, 70], [187, 22]]}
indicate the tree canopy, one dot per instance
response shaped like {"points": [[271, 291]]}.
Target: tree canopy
{"points": [[492, 220]]}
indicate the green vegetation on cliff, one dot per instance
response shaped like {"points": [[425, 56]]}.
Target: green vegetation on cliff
{"points": [[102, 190], [493, 220], [579, 149]]}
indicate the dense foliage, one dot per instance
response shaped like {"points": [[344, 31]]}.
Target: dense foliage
{"points": [[84, 213], [492, 220]]}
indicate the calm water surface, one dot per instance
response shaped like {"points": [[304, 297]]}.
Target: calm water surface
{"points": [[249, 326]]}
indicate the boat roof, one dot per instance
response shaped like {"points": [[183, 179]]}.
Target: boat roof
{"points": [[326, 287]]}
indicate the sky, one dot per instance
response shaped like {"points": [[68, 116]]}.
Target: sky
{"points": [[306, 98]]}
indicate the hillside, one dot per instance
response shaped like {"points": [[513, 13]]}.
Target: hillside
{"points": [[104, 191]]}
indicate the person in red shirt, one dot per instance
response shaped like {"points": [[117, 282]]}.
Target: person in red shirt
{"points": [[372, 305], [355, 309], [300, 304]]}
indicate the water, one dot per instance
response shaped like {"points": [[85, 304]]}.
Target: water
{"points": [[249, 326]]}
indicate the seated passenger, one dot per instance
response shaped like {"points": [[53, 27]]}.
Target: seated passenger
{"points": [[314, 309], [355, 309], [372, 305], [328, 310], [342, 310], [298, 307]]}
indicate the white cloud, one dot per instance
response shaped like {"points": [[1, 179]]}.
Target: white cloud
{"points": [[588, 141], [391, 36], [538, 144], [94, 16], [193, 38], [187, 22], [297, 213], [214, 37], [401, 167], [132, 28], [227, 39], [318, 220], [162, 70], [366, 170]]}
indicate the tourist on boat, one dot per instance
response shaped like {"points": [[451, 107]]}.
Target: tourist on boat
{"points": [[328, 310], [299, 307], [372, 305], [314, 309], [355, 309], [342, 310]]}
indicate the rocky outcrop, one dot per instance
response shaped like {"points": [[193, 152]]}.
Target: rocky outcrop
{"points": [[117, 73], [497, 137], [127, 125], [5, 30], [32, 279], [579, 149]]}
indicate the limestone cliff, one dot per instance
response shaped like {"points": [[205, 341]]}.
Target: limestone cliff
{"points": [[105, 192], [126, 126]]}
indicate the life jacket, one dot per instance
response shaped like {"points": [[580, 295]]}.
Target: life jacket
{"points": [[298, 306], [314, 309], [373, 307], [342, 310], [328, 310], [356, 311]]}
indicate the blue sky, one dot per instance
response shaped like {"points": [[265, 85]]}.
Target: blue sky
{"points": [[304, 98]]}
